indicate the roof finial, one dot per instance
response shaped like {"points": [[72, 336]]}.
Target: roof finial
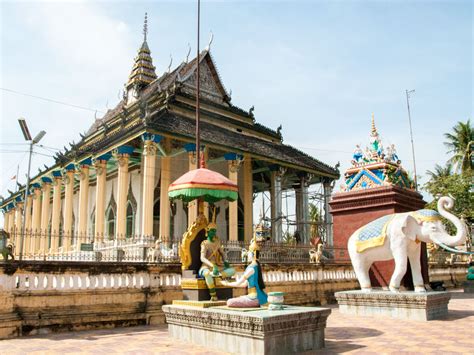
{"points": [[145, 27], [374, 130]]}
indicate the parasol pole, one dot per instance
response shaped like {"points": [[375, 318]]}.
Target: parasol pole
{"points": [[199, 160]]}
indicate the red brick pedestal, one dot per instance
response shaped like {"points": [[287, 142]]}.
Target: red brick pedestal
{"points": [[351, 210]]}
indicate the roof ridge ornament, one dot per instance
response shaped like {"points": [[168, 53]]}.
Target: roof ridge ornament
{"points": [[211, 38]]}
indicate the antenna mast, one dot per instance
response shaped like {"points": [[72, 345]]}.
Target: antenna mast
{"points": [[408, 92]]}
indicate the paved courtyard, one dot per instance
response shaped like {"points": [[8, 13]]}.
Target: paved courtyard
{"points": [[345, 334]]}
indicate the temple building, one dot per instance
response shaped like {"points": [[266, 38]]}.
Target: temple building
{"points": [[113, 183]]}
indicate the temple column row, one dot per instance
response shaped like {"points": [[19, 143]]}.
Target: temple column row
{"points": [[149, 165], [56, 210], [6, 219], [83, 197], [68, 206], [46, 190], [101, 178], [276, 202], [122, 156], [247, 197], [234, 162]]}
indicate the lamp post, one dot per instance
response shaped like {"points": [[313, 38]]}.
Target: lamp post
{"points": [[38, 137]]}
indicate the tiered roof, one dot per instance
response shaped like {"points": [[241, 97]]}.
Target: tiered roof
{"points": [[143, 72]]}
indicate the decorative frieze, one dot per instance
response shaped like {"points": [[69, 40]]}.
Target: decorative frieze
{"points": [[402, 305]]}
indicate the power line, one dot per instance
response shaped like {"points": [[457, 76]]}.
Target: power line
{"points": [[52, 100]]}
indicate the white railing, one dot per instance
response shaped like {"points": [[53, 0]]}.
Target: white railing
{"points": [[82, 281]]}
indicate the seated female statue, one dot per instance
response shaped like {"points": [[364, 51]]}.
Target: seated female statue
{"points": [[253, 280]]}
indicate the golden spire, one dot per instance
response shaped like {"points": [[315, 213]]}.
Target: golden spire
{"points": [[145, 27], [143, 72], [373, 130]]}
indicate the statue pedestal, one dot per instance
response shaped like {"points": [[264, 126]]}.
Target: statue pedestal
{"points": [[196, 289], [351, 210], [255, 331], [403, 305]]}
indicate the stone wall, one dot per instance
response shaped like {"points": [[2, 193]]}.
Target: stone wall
{"points": [[43, 297]]}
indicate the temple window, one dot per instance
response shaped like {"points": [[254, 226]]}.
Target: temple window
{"points": [[110, 223], [130, 220]]}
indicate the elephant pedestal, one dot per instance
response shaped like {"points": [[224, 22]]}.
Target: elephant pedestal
{"points": [[408, 305], [352, 210]]}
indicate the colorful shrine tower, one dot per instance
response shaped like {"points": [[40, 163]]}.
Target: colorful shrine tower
{"points": [[376, 166], [375, 185]]}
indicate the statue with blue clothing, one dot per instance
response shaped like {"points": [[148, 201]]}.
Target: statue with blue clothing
{"points": [[252, 279], [214, 260]]}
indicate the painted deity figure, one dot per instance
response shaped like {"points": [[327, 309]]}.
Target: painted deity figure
{"points": [[394, 153], [214, 260], [358, 154], [252, 279]]}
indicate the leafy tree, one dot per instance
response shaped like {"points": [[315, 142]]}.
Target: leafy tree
{"points": [[440, 171], [460, 187], [461, 143]]}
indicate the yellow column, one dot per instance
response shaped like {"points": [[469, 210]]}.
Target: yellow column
{"points": [[234, 166], [18, 226], [56, 212], [164, 199], [101, 176], [28, 212], [83, 201], [28, 217], [68, 196], [149, 164], [192, 206], [36, 220], [45, 215], [122, 193], [247, 198], [6, 221]]}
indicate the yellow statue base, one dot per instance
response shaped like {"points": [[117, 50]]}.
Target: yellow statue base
{"points": [[199, 304]]}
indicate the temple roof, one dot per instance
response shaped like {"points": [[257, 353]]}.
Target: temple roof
{"points": [[180, 126], [165, 105]]}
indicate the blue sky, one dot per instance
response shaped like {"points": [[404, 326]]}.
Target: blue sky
{"points": [[319, 68]]}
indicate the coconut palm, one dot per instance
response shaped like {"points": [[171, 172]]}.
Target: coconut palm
{"points": [[461, 143], [440, 171]]}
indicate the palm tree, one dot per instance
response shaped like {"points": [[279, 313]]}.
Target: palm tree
{"points": [[440, 171], [461, 144]]}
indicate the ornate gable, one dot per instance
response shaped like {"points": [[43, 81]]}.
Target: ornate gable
{"points": [[211, 88]]}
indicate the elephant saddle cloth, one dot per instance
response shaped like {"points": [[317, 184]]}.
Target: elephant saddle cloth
{"points": [[426, 215], [372, 234]]}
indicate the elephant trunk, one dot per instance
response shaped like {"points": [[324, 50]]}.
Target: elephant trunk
{"points": [[446, 203]]}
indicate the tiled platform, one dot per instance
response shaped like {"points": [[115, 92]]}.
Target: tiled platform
{"points": [[344, 334]]}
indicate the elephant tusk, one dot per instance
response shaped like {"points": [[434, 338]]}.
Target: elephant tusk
{"points": [[452, 250]]}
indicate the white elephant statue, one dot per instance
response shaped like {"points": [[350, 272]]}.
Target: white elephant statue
{"points": [[398, 237]]}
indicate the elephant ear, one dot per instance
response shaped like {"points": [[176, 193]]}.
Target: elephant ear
{"points": [[409, 226]]}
